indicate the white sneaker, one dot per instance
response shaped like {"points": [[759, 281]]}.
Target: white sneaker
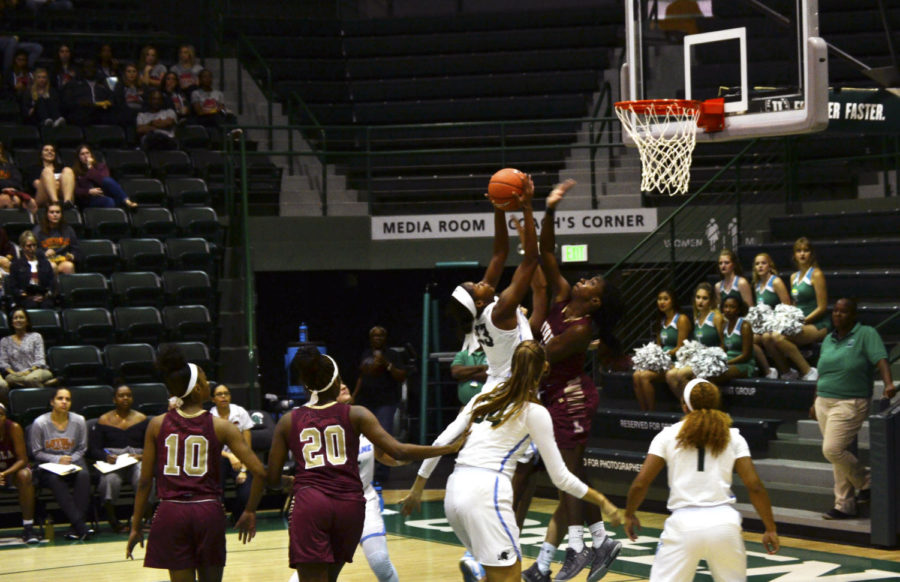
{"points": [[791, 374], [772, 374], [811, 376]]}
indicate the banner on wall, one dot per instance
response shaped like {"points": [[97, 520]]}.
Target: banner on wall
{"points": [[437, 226], [853, 110]]}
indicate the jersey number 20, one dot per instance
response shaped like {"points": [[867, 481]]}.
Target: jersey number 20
{"points": [[196, 448], [335, 446]]}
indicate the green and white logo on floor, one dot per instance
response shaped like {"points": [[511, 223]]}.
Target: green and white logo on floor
{"points": [[788, 565]]}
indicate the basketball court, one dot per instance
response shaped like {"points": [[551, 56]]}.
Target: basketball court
{"points": [[423, 548]]}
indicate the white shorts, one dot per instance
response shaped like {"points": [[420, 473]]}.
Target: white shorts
{"points": [[478, 505], [374, 524], [694, 533]]}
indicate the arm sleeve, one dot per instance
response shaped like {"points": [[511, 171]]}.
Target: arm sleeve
{"points": [[739, 444], [95, 443], [80, 436], [658, 445], [875, 349], [73, 241], [38, 354], [453, 430], [4, 358], [540, 427], [459, 359], [243, 420], [36, 442]]}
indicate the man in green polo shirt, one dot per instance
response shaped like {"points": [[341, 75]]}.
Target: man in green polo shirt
{"points": [[847, 362]]}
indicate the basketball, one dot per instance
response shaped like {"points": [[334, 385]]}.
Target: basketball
{"points": [[504, 186]]}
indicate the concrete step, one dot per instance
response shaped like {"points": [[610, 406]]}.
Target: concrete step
{"points": [[808, 518], [795, 472], [809, 429], [807, 498], [804, 450]]}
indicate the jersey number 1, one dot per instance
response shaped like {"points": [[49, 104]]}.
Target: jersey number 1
{"points": [[335, 446], [196, 448]]}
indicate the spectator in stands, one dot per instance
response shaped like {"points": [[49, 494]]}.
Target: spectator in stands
{"points": [[737, 341], [177, 99], [12, 195], [232, 466], [22, 354], [810, 294], [129, 96], [86, 99], [671, 328], [150, 69], [63, 67], [20, 77], [9, 45], [107, 64], [769, 290], [94, 187], [40, 103], [469, 369], [54, 181], [119, 432], [209, 104], [847, 363], [732, 283], [187, 69], [708, 324], [60, 436], [15, 471], [36, 5], [32, 283], [156, 127], [57, 239], [382, 372]]}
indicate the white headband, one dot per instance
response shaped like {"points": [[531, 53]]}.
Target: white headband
{"points": [[177, 401], [314, 394], [687, 391], [464, 297]]}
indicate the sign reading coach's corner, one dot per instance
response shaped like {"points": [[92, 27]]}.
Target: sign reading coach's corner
{"points": [[620, 221]]}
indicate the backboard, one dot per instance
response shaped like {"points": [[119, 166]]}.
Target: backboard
{"points": [[764, 57]]}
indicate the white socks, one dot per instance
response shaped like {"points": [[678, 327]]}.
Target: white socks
{"points": [[598, 533], [545, 557]]}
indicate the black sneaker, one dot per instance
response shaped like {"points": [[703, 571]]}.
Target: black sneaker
{"points": [[534, 574], [837, 514], [29, 537], [864, 496], [603, 558], [575, 563]]}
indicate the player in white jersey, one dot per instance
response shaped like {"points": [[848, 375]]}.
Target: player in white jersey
{"points": [[701, 453], [478, 501], [496, 322]]}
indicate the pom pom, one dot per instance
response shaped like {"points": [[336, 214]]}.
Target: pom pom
{"points": [[686, 353], [651, 357], [787, 319], [759, 317], [709, 362]]}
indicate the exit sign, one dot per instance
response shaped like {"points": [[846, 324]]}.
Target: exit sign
{"points": [[574, 253]]}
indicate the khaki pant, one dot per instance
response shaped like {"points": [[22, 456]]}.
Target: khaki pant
{"points": [[32, 378], [840, 421]]}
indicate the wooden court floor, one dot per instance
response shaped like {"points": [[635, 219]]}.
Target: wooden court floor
{"points": [[416, 558]]}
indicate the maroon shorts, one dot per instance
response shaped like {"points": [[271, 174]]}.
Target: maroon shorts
{"points": [[572, 407], [187, 535], [324, 529]]}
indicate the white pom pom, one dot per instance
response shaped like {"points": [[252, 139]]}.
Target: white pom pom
{"points": [[709, 362], [787, 319], [759, 317], [651, 357], [686, 353]]}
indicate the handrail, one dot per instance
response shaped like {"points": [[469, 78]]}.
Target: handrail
{"points": [[323, 194], [680, 208], [243, 41]]}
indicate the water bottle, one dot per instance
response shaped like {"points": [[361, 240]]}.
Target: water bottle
{"points": [[304, 332], [48, 529]]}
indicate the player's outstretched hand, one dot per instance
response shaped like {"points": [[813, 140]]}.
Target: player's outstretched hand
{"points": [[558, 192], [134, 538], [411, 503], [632, 525], [770, 542], [246, 526]]}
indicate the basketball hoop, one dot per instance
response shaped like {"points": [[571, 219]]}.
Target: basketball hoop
{"points": [[665, 132]]}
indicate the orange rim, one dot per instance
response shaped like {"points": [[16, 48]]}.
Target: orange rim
{"points": [[660, 106]]}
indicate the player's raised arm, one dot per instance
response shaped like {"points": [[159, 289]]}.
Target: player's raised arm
{"points": [[559, 287]]}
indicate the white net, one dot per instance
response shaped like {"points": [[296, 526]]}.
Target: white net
{"points": [[665, 134]]}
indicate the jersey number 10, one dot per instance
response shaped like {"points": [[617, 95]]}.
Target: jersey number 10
{"points": [[335, 445], [196, 448]]}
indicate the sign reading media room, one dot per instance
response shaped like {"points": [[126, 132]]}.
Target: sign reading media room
{"points": [[625, 220]]}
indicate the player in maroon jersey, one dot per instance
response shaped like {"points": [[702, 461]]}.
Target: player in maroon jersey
{"points": [[14, 470], [566, 331], [183, 448], [329, 508]]}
